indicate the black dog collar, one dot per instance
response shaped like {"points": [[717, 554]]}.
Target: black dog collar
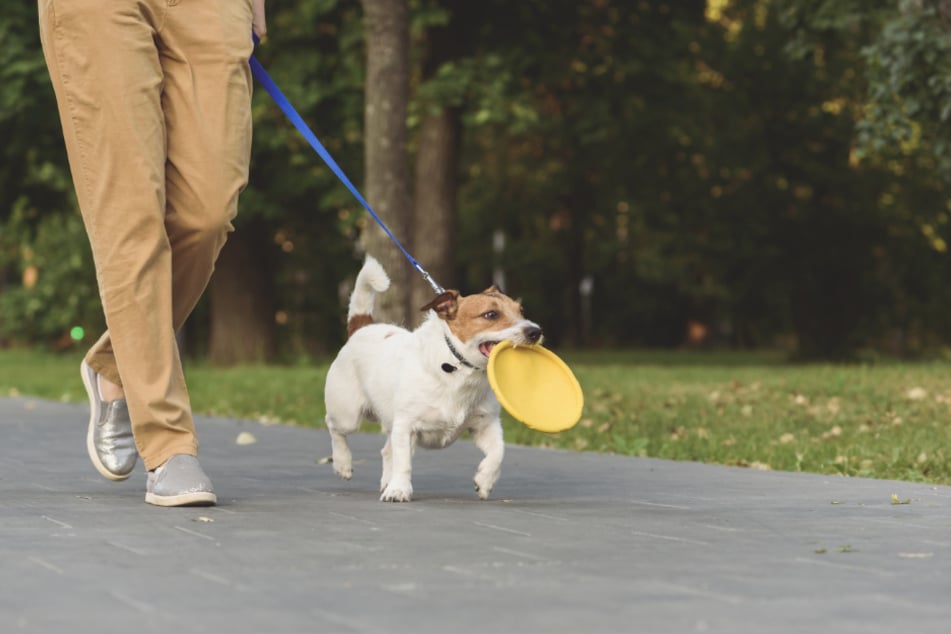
{"points": [[448, 368]]}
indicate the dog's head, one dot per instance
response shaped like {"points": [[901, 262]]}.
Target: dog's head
{"points": [[481, 320]]}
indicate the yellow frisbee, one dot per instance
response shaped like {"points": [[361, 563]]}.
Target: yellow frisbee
{"points": [[535, 386]]}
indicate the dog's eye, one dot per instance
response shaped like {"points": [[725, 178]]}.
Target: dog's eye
{"points": [[491, 315]]}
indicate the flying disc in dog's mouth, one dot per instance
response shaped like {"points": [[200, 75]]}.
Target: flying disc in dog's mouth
{"points": [[486, 348], [535, 386]]}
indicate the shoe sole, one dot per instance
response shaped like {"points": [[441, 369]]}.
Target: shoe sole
{"points": [[92, 392], [200, 498]]}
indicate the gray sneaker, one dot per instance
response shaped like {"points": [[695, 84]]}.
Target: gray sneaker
{"points": [[180, 482], [109, 440]]}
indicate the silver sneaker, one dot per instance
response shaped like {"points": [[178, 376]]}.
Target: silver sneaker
{"points": [[180, 482], [109, 440]]}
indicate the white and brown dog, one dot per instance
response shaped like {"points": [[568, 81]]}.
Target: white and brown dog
{"points": [[424, 387]]}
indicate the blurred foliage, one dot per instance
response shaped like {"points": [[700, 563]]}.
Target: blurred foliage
{"points": [[905, 46], [54, 296], [773, 173]]}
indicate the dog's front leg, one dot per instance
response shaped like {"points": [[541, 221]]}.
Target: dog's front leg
{"points": [[488, 438], [399, 488]]}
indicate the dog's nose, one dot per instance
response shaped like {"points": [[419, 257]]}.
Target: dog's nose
{"points": [[533, 334]]}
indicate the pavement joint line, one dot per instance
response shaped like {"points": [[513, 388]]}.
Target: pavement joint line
{"points": [[338, 619], [665, 506], [130, 549], [518, 553], [45, 564], [503, 528], [194, 533], [141, 606], [57, 522], [671, 538], [726, 529], [835, 564], [223, 581], [352, 517], [700, 592], [542, 515]]}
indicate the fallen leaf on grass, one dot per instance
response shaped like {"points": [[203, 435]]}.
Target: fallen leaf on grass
{"points": [[916, 394], [835, 432], [820, 551], [846, 549], [895, 500], [246, 438]]}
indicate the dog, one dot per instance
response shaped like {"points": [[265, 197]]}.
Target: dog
{"points": [[425, 387]]}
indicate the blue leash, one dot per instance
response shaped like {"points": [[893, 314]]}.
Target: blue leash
{"points": [[282, 102]]}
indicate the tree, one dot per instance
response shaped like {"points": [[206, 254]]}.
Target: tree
{"points": [[385, 135], [438, 145], [906, 47], [241, 299]]}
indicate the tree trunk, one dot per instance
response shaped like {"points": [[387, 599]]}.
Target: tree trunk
{"points": [[387, 172], [242, 302], [434, 226], [437, 164]]}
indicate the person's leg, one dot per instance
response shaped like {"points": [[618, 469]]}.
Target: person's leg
{"points": [[108, 78], [204, 50]]}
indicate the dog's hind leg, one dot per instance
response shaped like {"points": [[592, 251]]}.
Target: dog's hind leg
{"points": [[488, 438], [387, 454], [342, 458]]}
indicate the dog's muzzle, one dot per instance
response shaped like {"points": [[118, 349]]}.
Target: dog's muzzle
{"points": [[532, 333]]}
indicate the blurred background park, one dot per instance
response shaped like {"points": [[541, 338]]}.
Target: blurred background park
{"points": [[750, 177]]}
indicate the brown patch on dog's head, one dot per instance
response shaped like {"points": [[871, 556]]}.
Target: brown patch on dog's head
{"points": [[488, 311], [446, 305], [357, 322]]}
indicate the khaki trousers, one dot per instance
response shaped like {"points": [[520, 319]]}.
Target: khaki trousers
{"points": [[154, 100]]}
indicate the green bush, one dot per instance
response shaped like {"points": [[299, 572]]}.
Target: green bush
{"points": [[55, 291]]}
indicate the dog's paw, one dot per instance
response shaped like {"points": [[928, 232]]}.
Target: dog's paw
{"points": [[396, 493], [483, 492], [344, 472], [484, 482]]}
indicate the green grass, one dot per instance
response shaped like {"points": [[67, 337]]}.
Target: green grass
{"points": [[888, 420]]}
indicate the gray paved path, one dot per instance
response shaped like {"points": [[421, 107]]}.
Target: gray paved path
{"points": [[570, 543]]}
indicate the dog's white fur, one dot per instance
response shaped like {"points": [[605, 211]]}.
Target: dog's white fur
{"points": [[399, 378]]}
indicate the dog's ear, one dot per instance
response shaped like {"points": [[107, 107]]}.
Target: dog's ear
{"points": [[446, 305], [493, 290]]}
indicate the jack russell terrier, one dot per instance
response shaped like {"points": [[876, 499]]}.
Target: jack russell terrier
{"points": [[425, 387]]}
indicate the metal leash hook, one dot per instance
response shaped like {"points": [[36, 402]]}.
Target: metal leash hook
{"points": [[429, 279], [282, 102]]}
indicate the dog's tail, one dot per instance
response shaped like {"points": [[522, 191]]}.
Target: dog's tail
{"points": [[371, 280]]}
